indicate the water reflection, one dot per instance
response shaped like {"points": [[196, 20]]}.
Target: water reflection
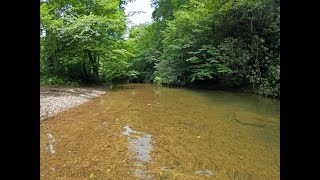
{"points": [[140, 147]]}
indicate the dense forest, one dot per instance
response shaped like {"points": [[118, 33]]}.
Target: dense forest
{"points": [[209, 43]]}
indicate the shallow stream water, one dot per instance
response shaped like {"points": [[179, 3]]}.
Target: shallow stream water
{"points": [[140, 131]]}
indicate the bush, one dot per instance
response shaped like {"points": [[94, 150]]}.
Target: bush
{"points": [[56, 81]]}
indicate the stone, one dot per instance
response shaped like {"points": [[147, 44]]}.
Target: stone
{"points": [[91, 176], [204, 172]]}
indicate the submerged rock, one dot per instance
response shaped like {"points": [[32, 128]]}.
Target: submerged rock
{"points": [[91, 176], [204, 172], [51, 141]]}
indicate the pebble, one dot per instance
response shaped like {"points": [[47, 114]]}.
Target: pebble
{"points": [[91, 176]]}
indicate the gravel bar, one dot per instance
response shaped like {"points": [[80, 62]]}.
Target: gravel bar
{"points": [[54, 100]]}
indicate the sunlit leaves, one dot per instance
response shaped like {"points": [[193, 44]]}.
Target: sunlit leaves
{"points": [[84, 38], [234, 43]]}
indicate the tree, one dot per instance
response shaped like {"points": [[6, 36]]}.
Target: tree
{"points": [[229, 43], [82, 38]]}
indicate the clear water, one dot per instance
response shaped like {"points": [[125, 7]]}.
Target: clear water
{"points": [[231, 135], [155, 132]]}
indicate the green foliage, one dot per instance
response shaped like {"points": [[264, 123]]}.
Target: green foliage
{"points": [[231, 43], [83, 41], [232, 54], [57, 81], [205, 64], [143, 43]]}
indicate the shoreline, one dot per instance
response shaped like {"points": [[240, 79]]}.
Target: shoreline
{"points": [[57, 99]]}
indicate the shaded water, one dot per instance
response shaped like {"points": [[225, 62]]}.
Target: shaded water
{"points": [[149, 132]]}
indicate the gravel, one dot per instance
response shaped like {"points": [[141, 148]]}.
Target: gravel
{"points": [[54, 100]]}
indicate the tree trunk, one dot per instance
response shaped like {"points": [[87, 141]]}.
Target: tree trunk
{"points": [[85, 73], [94, 64]]}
